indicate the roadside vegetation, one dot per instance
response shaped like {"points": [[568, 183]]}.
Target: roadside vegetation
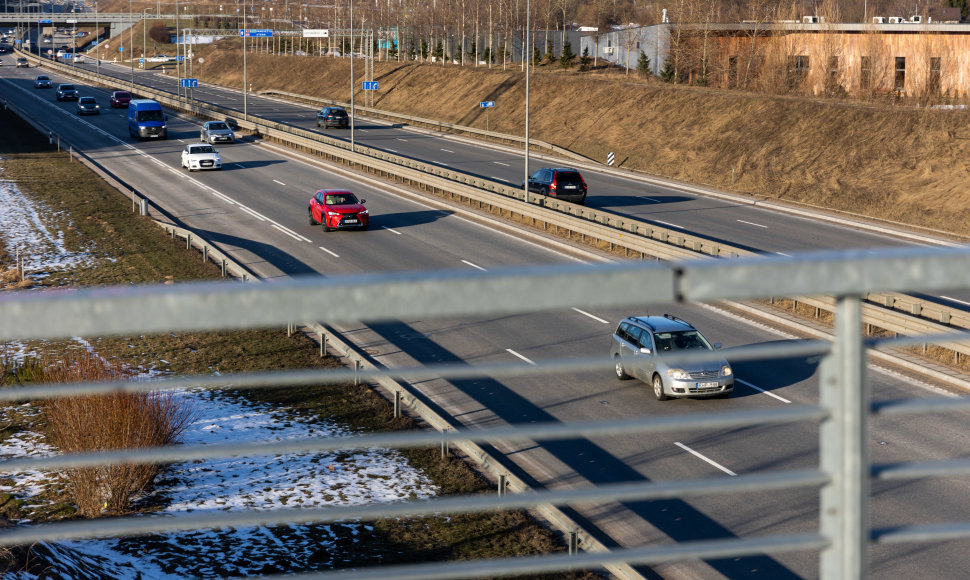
{"points": [[127, 249]]}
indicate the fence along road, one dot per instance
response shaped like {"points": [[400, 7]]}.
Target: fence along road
{"points": [[842, 476]]}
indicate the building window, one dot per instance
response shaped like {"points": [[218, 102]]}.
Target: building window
{"points": [[865, 73], [797, 70], [899, 84], [732, 72], [933, 87]]}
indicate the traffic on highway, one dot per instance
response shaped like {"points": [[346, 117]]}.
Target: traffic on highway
{"points": [[253, 208]]}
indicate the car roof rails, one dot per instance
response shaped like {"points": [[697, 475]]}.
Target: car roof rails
{"points": [[643, 320], [677, 319]]}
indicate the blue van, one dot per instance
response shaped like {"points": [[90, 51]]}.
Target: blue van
{"points": [[146, 119]]}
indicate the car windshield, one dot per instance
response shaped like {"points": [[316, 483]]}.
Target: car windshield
{"points": [[686, 340], [121, 95], [67, 87], [155, 115], [87, 101], [218, 127], [338, 112], [202, 149], [43, 78], [340, 199]]}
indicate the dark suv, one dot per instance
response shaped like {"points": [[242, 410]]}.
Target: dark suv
{"points": [[66, 92], [333, 117], [638, 348], [560, 182]]}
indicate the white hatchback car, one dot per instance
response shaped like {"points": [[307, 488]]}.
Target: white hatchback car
{"points": [[200, 156]]}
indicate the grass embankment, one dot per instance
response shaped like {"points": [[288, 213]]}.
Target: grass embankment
{"points": [[126, 248]]}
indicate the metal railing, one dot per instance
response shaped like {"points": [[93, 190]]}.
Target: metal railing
{"points": [[842, 477]]}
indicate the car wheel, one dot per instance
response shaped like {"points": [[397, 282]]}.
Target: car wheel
{"points": [[620, 372], [365, 227], [313, 222], [658, 388], [202, 137], [318, 124], [327, 228]]}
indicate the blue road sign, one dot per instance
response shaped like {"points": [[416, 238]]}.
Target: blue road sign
{"points": [[487, 104], [141, 61], [256, 32], [68, 55], [44, 21], [369, 85], [122, 49], [189, 83], [180, 58]]}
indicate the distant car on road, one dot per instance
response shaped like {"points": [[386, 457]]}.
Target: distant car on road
{"points": [[216, 132], [196, 157], [560, 182], [22, 62], [333, 117], [119, 99], [88, 106], [42, 82], [79, 58], [66, 92], [338, 209], [638, 346]]}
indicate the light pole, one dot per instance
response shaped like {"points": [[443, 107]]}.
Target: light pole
{"points": [[178, 45], [131, 45], [528, 49], [97, 39], [245, 35], [144, 26], [352, 114]]}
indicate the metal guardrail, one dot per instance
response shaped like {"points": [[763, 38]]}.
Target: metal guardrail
{"points": [[842, 477], [895, 312]]}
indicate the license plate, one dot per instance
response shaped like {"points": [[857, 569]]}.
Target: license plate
{"points": [[350, 221], [706, 386]]}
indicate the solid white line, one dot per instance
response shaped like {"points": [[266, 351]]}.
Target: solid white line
{"points": [[711, 461], [500, 163], [474, 265], [955, 300], [399, 139], [670, 224], [770, 394], [280, 182], [447, 150], [752, 224], [391, 150], [649, 198], [286, 231], [252, 213], [596, 318], [328, 251], [513, 353], [783, 254], [392, 231]]}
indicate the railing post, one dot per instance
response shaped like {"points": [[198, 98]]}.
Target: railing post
{"points": [[573, 543], [844, 450], [503, 481], [397, 404]]}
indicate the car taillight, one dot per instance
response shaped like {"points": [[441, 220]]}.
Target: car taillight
{"points": [[552, 185]]}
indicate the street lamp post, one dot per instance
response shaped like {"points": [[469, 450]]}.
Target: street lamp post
{"points": [[352, 113], [528, 49], [97, 39], [144, 26], [131, 45]]}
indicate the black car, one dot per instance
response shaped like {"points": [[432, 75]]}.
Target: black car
{"points": [[560, 182], [42, 82], [333, 117], [66, 92]]}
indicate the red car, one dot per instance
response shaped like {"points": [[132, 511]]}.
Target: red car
{"points": [[338, 209], [120, 99]]}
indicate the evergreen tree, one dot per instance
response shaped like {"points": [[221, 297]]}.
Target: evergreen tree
{"points": [[549, 57], [963, 5], [536, 57], [424, 49], [439, 51], [643, 64], [392, 50], [567, 57], [667, 73], [585, 61]]}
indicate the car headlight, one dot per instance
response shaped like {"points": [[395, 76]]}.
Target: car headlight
{"points": [[678, 374], [333, 213], [726, 371], [362, 212]]}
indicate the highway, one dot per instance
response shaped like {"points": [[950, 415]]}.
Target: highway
{"points": [[256, 209]]}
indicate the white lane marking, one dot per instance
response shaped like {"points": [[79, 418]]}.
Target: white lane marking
{"points": [[500, 163], [399, 139], [783, 254], [596, 318], [391, 150], [495, 178], [329, 252], [362, 130], [280, 182], [289, 232], [447, 150], [752, 224], [711, 461], [180, 140], [513, 353], [391, 230], [649, 198], [759, 389], [669, 224], [476, 266], [955, 300], [252, 213]]}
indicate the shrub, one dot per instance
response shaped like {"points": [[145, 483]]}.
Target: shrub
{"points": [[159, 33]]}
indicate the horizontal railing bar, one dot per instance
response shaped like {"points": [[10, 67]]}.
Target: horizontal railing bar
{"points": [[442, 371], [921, 533], [707, 549], [938, 339], [920, 470], [542, 431], [920, 406], [128, 526]]}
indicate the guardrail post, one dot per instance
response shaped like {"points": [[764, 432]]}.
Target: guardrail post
{"points": [[445, 450], [397, 404], [502, 483], [223, 267], [573, 543], [843, 448], [188, 241], [205, 253], [323, 345], [143, 206], [356, 368]]}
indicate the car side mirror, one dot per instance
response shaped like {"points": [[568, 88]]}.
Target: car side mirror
{"points": [[717, 345], [644, 350], [363, 201]]}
